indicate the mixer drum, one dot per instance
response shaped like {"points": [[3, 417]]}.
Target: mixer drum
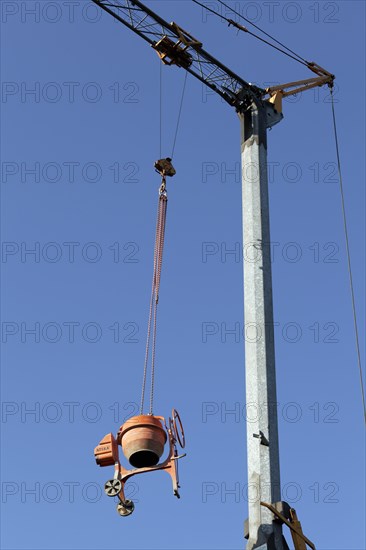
{"points": [[143, 438]]}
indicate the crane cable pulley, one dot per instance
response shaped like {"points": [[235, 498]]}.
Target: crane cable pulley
{"points": [[165, 168]]}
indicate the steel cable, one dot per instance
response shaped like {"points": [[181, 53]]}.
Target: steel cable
{"points": [[149, 318], [179, 114], [298, 58], [152, 319], [262, 31], [163, 200], [345, 227]]}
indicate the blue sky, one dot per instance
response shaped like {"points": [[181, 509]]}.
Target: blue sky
{"points": [[79, 189]]}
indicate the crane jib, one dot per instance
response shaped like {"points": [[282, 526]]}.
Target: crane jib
{"points": [[177, 47]]}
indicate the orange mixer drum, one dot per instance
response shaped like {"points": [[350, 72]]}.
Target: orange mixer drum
{"points": [[143, 438]]}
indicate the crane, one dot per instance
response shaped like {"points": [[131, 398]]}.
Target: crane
{"points": [[258, 109]]}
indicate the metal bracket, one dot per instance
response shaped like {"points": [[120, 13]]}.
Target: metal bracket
{"points": [[277, 93], [287, 515], [185, 37], [263, 440], [273, 115]]}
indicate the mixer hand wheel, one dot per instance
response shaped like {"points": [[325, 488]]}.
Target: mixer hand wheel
{"points": [[177, 428]]}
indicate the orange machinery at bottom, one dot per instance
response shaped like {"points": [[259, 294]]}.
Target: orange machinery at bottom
{"points": [[142, 439]]}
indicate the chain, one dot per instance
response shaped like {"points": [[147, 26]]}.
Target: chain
{"points": [[158, 259]]}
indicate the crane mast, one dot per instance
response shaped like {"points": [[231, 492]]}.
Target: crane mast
{"points": [[258, 110]]}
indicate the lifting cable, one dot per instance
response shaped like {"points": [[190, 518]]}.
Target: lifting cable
{"points": [[164, 168], [345, 227], [179, 113], [152, 321], [161, 111], [160, 107]]}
